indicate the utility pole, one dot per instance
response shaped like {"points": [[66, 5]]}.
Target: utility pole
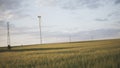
{"points": [[8, 36], [39, 17]]}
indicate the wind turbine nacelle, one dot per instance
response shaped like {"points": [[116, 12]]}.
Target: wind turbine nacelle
{"points": [[39, 16]]}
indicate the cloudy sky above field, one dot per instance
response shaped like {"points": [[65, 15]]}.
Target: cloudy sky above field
{"points": [[80, 19]]}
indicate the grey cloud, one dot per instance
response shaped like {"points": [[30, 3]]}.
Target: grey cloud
{"points": [[3, 27], [10, 4], [115, 13], [2, 24], [104, 19], [80, 35], [91, 3], [11, 9], [87, 35], [97, 34], [117, 1], [118, 22], [76, 4]]}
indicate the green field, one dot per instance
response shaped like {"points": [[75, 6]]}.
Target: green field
{"points": [[90, 54]]}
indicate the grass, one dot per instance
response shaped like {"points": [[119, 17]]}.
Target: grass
{"points": [[90, 54]]}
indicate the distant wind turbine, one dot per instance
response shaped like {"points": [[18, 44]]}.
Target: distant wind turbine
{"points": [[39, 17], [8, 36]]}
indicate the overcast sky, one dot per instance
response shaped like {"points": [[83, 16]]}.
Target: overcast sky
{"points": [[80, 19]]}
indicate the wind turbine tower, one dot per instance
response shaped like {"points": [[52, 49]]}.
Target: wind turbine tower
{"points": [[8, 36], [39, 17]]}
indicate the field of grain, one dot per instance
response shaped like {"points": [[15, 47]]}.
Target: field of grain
{"points": [[90, 54]]}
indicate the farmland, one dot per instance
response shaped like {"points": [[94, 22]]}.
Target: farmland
{"points": [[89, 54]]}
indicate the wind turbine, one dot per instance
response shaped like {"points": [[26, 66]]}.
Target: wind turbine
{"points": [[8, 36], [39, 17]]}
